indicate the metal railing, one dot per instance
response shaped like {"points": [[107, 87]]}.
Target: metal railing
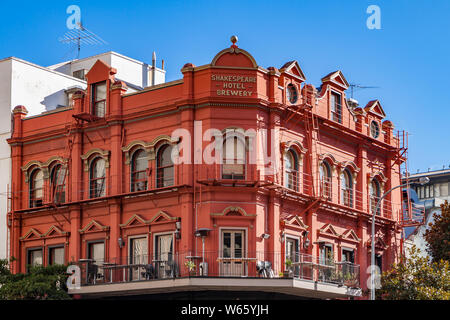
{"points": [[241, 264]]}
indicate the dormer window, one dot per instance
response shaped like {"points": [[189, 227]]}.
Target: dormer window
{"points": [[336, 107], [99, 99], [374, 129], [291, 94]]}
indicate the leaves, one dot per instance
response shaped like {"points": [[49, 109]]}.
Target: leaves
{"points": [[416, 278], [40, 283], [438, 235]]}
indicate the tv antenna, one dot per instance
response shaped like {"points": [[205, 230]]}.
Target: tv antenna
{"points": [[81, 36], [354, 87]]}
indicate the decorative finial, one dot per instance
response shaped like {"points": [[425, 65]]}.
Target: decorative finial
{"points": [[234, 39]]}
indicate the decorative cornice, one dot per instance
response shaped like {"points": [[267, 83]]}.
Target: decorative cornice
{"points": [[96, 151]]}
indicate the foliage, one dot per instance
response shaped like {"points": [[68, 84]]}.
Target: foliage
{"points": [[190, 265], [438, 235], [416, 278], [40, 283]]}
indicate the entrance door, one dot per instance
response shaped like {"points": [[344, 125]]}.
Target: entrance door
{"points": [[164, 255], [292, 255], [233, 253], [138, 256]]}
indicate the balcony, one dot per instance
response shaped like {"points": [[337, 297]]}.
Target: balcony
{"points": [[304, 275]]}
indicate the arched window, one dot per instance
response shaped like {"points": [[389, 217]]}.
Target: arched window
{"points": [[139, 166], [36, 188], [325, 179], [375, 194], [346, 188], [58, 185], [291, 170], [165, 168], [233, 154], [97, 178]]}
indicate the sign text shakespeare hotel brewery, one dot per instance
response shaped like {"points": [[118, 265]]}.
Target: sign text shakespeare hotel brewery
{"points": [[234, 85]]}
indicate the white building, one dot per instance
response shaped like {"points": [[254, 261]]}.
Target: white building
{"points": [[432, 195], [42, 89]]}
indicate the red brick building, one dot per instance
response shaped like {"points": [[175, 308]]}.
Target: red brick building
{"points": [[96, 185]]}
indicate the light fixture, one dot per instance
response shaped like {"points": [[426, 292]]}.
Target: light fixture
{"points": [[265, 236], [306, 242], [424, 180], [282, 237], [121, 242], [177, 231]]}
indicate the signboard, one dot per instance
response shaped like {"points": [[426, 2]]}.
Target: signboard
{"points": [[234, 85]]}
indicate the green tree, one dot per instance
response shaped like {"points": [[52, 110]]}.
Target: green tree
{"points": [[416, 278], [438, 235], [40, 283]]}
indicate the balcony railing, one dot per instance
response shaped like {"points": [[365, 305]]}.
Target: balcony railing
{"points": [[216, 264]]}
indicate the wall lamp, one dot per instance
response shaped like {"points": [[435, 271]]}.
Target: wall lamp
{"points": [[265, 236], [120, 242], [178, 230], [307, 242]]}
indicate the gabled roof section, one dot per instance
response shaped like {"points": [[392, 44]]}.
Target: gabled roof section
{"points": [[293, 68], [100, 71], [162, 216], [54, 231], [374, 107], [94, 226], [328, 230], [350, 235], [297, 222], [234, 57], [135, 221], [336, 78], [32, 234]]}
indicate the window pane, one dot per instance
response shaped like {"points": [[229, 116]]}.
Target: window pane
{"points": [[97, 251], [444, 189], [56, 256], [100, 91], [226, 245], [35, 257]]}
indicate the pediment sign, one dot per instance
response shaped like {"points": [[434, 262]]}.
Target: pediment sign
{"points": [[233, 211], [379, 243], [374, 107], [336, 78], [32, 234], [135, 221], [293, 68], [94, 226], [54, 231], [296, 222], [350, 235], [328, 230], [162, 217]]}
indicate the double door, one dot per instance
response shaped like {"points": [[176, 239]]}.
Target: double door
{"points": [[233, 256]]}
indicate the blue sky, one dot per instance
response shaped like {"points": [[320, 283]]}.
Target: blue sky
{"points": [[408, 58]]}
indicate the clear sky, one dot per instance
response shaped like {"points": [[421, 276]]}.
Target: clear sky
{"points": [[408, 58]]}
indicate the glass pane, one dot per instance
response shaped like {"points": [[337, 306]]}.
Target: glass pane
{"points": [[443, 189], [226, 245], [238, 245], [99, 169], [36, 257], [100, 91], [97, 251], [165, 247], [57, 255], [140, 161], [139, 250]]}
